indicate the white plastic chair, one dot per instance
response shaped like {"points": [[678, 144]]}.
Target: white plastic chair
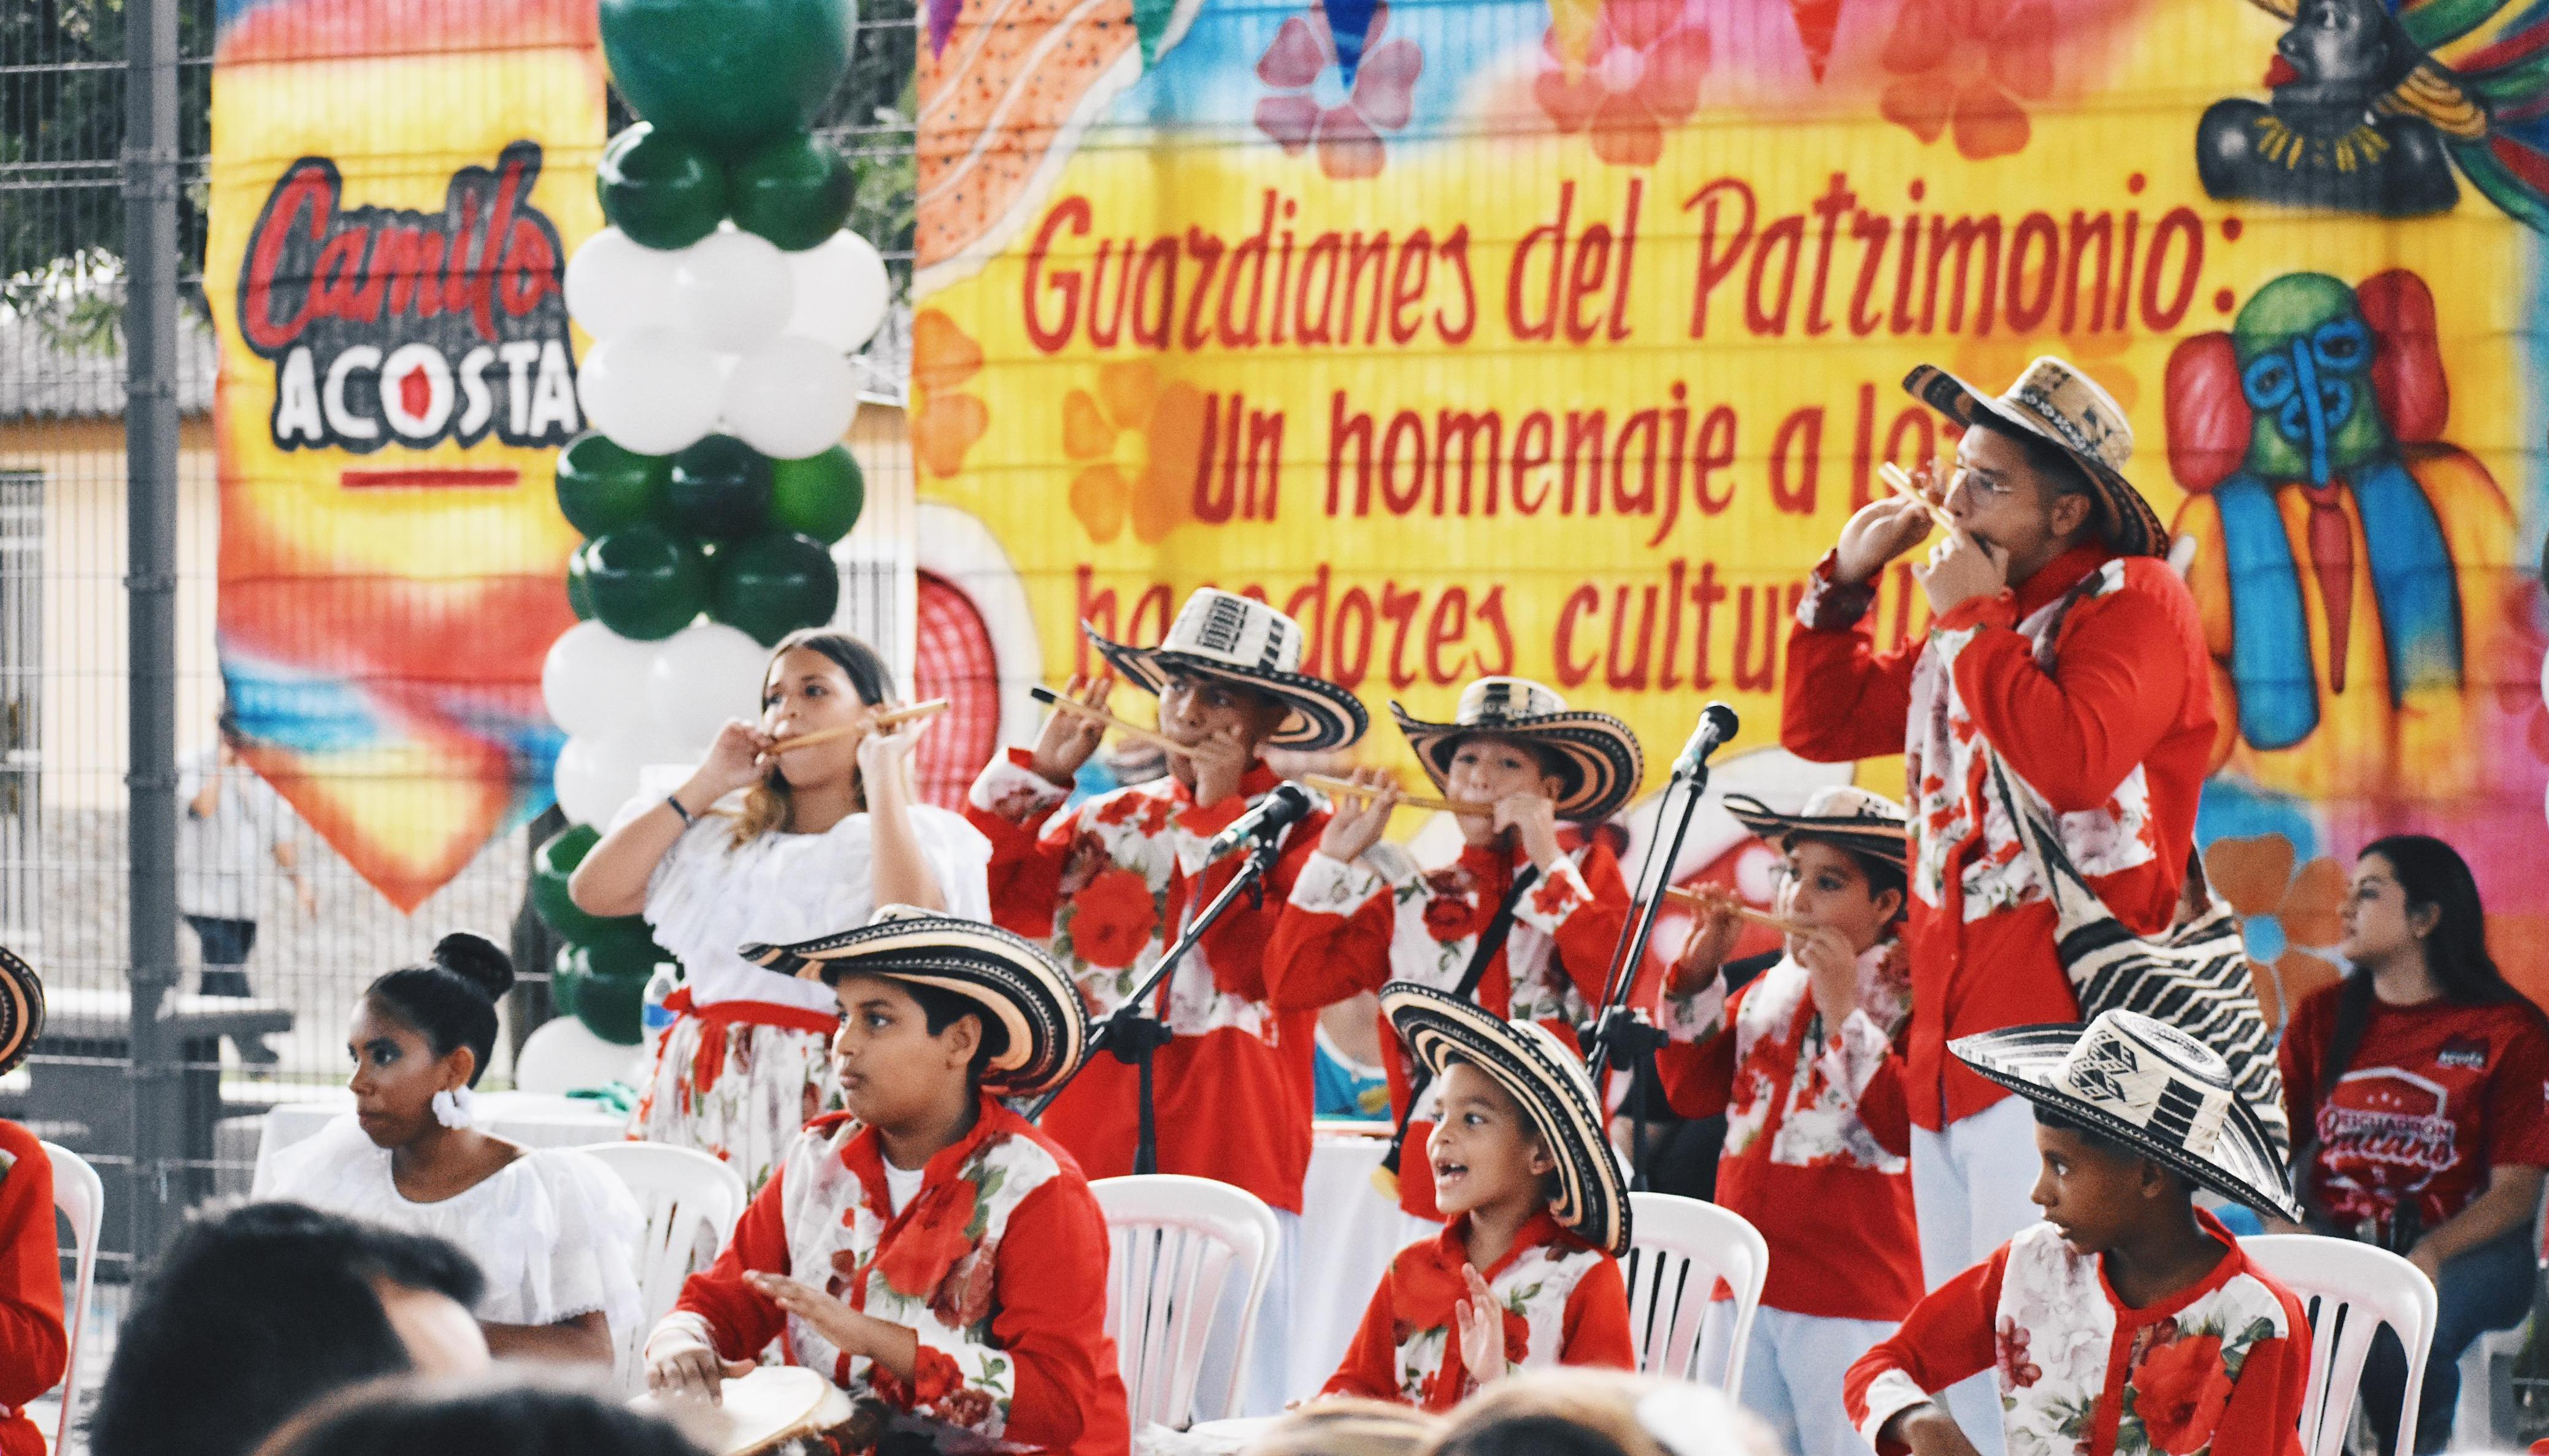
{"points": [[1678, 1250], [1175, 1244], [80, 1196], [2349, 1290], [691, 1202]]}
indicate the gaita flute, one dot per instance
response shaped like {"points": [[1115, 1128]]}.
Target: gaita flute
{"points": [[928, 710], [1892, 474], [1134, 731], [1694, 901], [1329, 784]]}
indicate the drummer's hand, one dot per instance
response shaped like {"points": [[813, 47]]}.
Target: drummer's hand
{"points": [[849, 1331], [689, 1369], [1068, 739], [1356, 825]]}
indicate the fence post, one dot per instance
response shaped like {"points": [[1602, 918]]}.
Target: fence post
{"points": [[149, 168]]}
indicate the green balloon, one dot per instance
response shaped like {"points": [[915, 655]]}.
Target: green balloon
{"points": [[820, 496], [726, 73], [794, 191], [601, 485], [648, 583], [775, 584], [719, 490], [663, 192], [578, 591], [602, 983], [551, 865]]}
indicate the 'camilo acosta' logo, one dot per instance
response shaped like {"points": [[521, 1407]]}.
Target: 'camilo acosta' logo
{"points": [[385, 325]]}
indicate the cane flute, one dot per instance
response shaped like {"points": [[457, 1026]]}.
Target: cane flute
{"points": [[1892, 474], [929, 709], [1694, 901], [1134, 731], [1330, 784]]}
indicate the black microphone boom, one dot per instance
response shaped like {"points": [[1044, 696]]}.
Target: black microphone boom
{"points": [[1717, 725], [1284, 804]]}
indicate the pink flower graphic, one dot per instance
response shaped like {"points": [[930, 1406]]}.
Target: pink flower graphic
{"points": [[1308, 109], [1639, 74], [1967, 64]]}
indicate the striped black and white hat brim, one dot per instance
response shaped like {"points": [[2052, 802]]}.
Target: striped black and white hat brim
{"points": [[1600, 757], [22, 1009], [1323, 716], [1882, 838], [1033, 1001]]}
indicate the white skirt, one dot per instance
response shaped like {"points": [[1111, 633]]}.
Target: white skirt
{"points": [[736, 1090]]}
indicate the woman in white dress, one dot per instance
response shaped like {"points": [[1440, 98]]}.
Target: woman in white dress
{"points": [[823, 835], [554, 1231]]}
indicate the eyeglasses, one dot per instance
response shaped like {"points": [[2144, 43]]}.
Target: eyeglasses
{"points": [[1980, 487]]}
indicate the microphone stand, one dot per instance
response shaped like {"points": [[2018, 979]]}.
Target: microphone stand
{"points": [[1622, 1040], [1131, 1035]]}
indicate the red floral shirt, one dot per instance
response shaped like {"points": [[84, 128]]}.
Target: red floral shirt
{"points": [[33, 1346], [998, 1264]]}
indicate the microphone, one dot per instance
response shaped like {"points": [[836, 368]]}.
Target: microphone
{"points": [[1284, 804], [1717, 724]]}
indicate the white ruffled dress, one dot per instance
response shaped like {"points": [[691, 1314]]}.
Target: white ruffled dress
{"points": [[554, 1231], [748, 1061]]}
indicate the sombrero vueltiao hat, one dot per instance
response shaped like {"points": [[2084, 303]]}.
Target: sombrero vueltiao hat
{"points": [[2149, 1086], [1548, 1081], [2067, 409], [22, 1009], [1221, 634], [1598, 755], [1844, 814], [1026, 995]]}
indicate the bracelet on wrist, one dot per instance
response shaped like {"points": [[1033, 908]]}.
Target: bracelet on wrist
{"points": [[673, 802]]}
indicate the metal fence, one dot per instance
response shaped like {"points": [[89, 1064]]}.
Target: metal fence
{"points": [[66, 584]]}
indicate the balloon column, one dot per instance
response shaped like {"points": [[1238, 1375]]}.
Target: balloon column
{"points": [[722, 304]]}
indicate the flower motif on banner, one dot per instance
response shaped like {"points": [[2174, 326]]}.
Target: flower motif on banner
{"points": [[1637, 74], [1340, 109], [944, 423], [2283, 909], [1964, 65], [1138, 445]]}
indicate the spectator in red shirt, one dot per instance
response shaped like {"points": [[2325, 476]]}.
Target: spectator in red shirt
{"points": [[2063, 644], [2419, 1083]]}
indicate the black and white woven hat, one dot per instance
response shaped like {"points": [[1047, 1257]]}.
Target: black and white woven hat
{"points": [[2149, 1086], [1549, 1082], [22, 1009], [1596, 754], [1031, 999], [1221, 634], [2055, 401], [1844, 814]]}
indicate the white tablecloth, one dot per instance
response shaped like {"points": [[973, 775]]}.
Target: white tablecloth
{"points": [[532, 1119], [1349, 1234]]}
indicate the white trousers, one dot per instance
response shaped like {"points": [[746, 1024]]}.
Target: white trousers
{"points": [[1792, 1378], [1265, 1386], [1969, 1190]]}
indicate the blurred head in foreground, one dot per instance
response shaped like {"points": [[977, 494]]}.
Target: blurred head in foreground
{"points": [[1599, 1413]]}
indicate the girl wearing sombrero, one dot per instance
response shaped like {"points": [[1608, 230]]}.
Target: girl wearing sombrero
{"points": [[2127, 1322], [1515, 745], [1801, 1062], [1526, 1274], [930, 1251], [1105, 885], [32, 1344]]}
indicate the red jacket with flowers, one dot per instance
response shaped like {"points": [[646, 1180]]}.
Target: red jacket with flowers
{"points": [[1348, 930], [1105, 886], [2217, 1369], [998, 1263], [33, 1346], [1564, 1305], [1807, 1157], [2098, 700]]}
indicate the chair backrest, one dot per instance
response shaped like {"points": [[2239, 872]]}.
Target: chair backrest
{"points": [[2349, 1290], [1177, 1246], [1678, 1250], [691, 1202], [80, 1197]]}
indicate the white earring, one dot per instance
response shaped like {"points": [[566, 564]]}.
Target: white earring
{"points": [[456, 1108]]}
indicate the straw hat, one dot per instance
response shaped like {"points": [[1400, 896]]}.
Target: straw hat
{"points": [[1842, 814], [1239, 639], [1549, 1082], [1025, 994], [2057, 404], [1596, 754], [22, 1009]]}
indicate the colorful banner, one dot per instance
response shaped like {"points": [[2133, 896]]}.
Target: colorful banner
{"points": [[1559, 338], [395, 190]]}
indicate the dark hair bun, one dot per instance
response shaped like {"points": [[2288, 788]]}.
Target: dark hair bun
{"points": [[475, 960]]}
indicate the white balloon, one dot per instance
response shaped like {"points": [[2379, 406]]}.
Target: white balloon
{"points": [[843, 291], [594, 677], [733, 291], [614, 285], [2544, 678], [702, 675], [795, 399], [595, 777], [650, 390]]}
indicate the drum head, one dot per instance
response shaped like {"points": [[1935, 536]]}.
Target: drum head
{"points": [[756, 1413]]}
